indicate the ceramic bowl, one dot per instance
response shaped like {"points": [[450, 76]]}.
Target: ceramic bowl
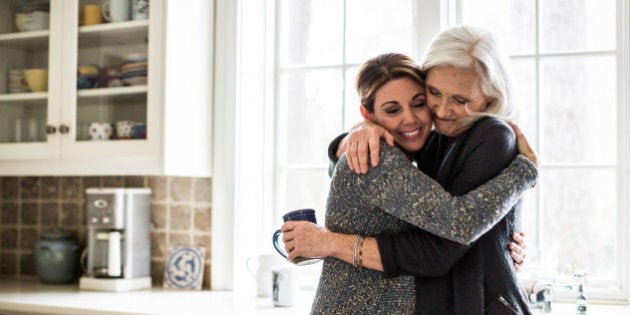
{"points": [[86, 81], [34, 21], [133, 64], [88, 69], [135, 81], [131, 74], [135, 57], [37, 79]]}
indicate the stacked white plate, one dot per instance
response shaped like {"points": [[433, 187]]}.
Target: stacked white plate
{"points": [[31, 16], [133, 71]]}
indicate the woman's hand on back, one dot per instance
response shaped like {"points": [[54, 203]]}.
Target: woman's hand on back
{"points": [[523, 145], [363, 140], [517, 250]]}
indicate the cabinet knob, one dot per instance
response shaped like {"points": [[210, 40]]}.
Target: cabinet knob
{"points": [[50, 130], [64, 129]]}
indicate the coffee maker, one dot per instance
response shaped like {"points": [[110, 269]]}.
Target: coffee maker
{"points": [[118, 243]]}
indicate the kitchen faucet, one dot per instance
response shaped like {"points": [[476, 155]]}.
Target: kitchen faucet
{"points": [[580, 276], [542, 294]]}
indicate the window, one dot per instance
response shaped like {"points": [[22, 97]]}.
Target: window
{"points": [[319, 47], [570, 62]]}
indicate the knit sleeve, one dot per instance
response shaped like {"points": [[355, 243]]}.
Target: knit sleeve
{"points": [[332, 153], [400, 189]]}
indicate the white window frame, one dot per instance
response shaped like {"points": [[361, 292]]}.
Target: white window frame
{"points": [[239, 223]]}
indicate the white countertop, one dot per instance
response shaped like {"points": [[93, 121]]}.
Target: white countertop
{"points": [[31, 297]]}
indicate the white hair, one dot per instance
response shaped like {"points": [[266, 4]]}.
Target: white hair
{"points": [[472, 48]]}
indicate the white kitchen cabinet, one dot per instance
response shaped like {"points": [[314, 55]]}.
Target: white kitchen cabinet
{"points": [[45, 133]]}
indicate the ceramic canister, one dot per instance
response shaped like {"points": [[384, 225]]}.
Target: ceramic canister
{"points": [[56, 257]]}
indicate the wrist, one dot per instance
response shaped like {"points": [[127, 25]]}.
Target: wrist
{"points": [[335, 147], [340, 246], [342, 147]]}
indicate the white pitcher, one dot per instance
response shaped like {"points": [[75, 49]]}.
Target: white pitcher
{"points": [[262, 272]]}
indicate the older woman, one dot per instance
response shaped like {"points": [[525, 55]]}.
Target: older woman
{"points": [[467, 89]]}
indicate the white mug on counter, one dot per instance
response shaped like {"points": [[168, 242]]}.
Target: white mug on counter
{"points": [[285, 285]]}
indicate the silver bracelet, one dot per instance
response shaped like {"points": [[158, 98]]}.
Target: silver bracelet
{"points": [[354, 254]]}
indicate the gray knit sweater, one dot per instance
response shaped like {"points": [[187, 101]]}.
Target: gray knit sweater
{"points": [[391, 198]]}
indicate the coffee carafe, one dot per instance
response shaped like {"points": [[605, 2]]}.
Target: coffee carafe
{"points": [[118, 242]]}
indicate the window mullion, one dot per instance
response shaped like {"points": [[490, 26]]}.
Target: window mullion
{"points": [[539, 128], [623, 130]]}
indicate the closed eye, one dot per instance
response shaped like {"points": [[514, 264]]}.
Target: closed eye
{"points": [[434, 92], [419, 104], [392, 110], [460, 100]]}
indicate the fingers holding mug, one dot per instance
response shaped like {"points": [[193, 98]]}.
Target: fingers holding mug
{"points": [[292, 220]]}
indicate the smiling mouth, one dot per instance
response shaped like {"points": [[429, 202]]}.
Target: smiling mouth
{"points": [[410, 134]]}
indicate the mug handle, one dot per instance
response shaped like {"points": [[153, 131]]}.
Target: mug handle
{"points": [[249, 267], [23, 84], [106, 11], [276, 234]]}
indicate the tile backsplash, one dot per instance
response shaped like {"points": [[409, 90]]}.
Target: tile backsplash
{"points": [[29, 206]]}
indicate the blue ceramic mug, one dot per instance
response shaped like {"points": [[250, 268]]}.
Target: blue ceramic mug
{"points": [[296, 215]]}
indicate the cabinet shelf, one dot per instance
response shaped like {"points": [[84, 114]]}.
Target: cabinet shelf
{"points": [[23, 97], [35, 40], [113, 93], [118, 33]]}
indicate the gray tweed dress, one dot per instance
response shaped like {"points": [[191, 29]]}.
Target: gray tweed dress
{"points": [[394, 197]]}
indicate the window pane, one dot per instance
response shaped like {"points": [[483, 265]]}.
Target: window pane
{"points": [[580, 220], [512, 21], [311, 32], [374, 28], [578, 96], [310, 114], [299, 189], [524, 80], [352, 115], [570, 25], [530, 219]]}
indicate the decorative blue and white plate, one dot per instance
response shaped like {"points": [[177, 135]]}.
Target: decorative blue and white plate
{"points": [[184, 268]]}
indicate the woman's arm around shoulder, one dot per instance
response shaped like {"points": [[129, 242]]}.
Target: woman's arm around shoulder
{"points": [[397, 187]]}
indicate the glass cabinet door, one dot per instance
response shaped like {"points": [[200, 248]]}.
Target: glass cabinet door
{"points": [[112, 72], [74, 79], [24, 74]]}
